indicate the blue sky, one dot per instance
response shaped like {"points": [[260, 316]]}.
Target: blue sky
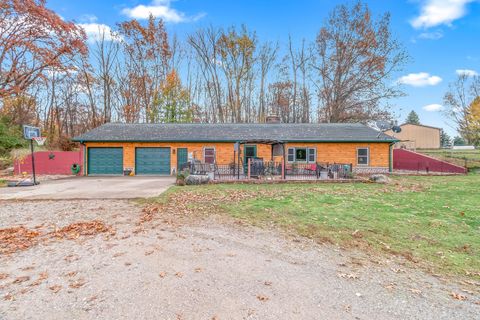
{"points": [[441, 36]]}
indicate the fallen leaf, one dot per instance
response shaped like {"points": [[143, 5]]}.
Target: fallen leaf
{"points": [[416, 291], [348, 276], [458, 296], [21, 279], [267, 283], [162, 274], [149, 252], [179, 274], [9, 297], [71, 274], [77, 284], [262, 297], [55, 288], [198, 269]]}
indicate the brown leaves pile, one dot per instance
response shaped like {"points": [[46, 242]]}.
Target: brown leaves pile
{"points": [[20, 238], [84, 228], [17, 238]]}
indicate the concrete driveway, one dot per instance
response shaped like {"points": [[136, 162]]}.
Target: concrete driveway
{"points": [[91, 188]]}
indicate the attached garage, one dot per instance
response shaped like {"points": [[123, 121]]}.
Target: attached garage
{"points": [[105, 161], [152, 161]]}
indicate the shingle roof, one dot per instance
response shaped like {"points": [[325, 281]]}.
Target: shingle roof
{"points": [[196, 132]]}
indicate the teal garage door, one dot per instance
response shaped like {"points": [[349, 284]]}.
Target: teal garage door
{"points": [[105, 161], [152, 161]]}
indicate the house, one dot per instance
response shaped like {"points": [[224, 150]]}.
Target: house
{"points": [[160, 149], [416, 136]]}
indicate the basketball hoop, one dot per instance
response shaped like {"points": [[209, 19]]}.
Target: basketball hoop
{"points": [[39, 140]]}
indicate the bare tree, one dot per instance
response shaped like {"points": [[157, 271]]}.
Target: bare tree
{"points": [[458, 102], [266, 57], [355, 57]]}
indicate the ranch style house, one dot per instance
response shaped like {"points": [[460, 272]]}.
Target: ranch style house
{"points": [[164, 149]]}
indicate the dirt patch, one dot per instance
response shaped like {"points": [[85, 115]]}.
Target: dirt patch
{"points": [[172, 268]]}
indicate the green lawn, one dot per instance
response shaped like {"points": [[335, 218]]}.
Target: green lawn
{"points": [[468, 158], [434, 222], [3, 183]]}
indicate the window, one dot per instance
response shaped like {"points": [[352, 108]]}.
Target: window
{"points": [[362, 156], [302, 155], [209, 155], [312, 155], [291, 155]]}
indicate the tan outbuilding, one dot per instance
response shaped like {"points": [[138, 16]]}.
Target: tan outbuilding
{"points": [[414, 136]]}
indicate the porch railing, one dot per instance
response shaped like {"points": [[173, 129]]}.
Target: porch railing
{"points": [[259, 169]]}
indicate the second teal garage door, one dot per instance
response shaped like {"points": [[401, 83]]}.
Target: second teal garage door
{"points": [[152, 161]]}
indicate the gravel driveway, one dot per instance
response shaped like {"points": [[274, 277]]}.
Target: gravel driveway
{"points": [[171, 268]]}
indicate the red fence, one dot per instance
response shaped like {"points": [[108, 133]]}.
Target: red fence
{"points": [[50, 162], [412, 161]]}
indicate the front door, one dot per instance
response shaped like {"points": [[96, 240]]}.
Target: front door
{"points": [[250, 153], [182, 158]]}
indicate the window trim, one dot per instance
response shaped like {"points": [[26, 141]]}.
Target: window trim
{"points": [[307, 151], [368, 156], [214, 154]]}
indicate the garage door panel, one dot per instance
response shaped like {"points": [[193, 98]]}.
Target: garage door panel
{"points": [[152, 161], [105, 161]]}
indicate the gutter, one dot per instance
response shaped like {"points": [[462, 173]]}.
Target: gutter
{"points": [[391, 141]]}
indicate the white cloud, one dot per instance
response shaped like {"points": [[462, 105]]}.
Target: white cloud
{"points": [[420, 79], [466, 72], [431, 35], [95, 32], [433, 107], [159, 9], [438, 12]]}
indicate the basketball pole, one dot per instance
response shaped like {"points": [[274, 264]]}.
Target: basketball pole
{"points": [[33, 162]]}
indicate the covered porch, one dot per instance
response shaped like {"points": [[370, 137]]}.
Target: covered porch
{"points": [[248, 166]]}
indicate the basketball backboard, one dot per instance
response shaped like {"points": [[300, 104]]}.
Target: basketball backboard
{"points": [[30, 132]]}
